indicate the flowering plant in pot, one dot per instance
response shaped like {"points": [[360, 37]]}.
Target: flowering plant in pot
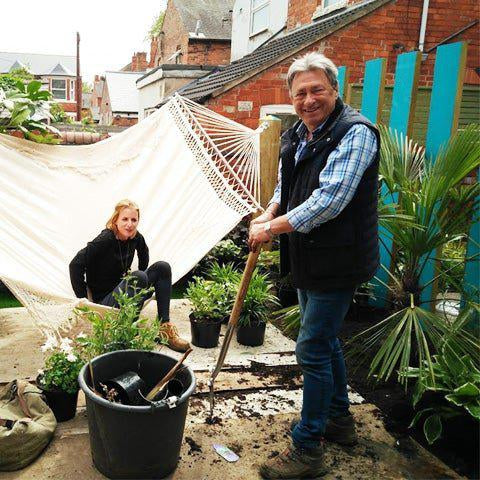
{"points": [[58, 379], [257, 305]]}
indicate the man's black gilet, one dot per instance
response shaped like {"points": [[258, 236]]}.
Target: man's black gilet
{"points": [[342, 252]]}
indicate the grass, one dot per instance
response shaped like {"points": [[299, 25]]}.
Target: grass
{"points": [[7, 300]]}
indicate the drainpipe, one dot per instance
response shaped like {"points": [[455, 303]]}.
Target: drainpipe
{"points": [[423, 25]]}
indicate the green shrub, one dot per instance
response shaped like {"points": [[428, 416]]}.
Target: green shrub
{"points": [[208, 298], [119, 328]]}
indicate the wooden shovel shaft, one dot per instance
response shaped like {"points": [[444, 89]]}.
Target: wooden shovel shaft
{"points": [[154, 391], [237, 309]]}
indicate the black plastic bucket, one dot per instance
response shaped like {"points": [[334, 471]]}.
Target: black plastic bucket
{"points": [[135, 441], [251, 335], [205, 334]]}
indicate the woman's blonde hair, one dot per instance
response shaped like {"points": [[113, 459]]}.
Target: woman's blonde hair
{"points": [[125, 203]]}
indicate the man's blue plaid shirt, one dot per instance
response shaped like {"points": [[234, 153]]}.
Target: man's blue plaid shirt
{"points": [[338, 181]]}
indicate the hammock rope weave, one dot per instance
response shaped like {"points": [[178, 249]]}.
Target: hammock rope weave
{"points": [[194, 173]]}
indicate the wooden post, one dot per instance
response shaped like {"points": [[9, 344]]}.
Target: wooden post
{"points": [[373, 89], [401, 120], [448, 76], [269, 153], [78, 83]]}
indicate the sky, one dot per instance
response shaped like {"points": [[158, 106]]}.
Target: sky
{"points": [[110, 30]]}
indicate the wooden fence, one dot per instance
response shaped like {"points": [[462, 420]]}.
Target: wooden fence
{"points": [[430, 116]]}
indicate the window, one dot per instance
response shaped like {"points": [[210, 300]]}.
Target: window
{"points": [[286, 113], [260, 16], [328, 6], [72, 90], [59, 89]]}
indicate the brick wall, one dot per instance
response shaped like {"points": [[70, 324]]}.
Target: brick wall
{"points": [[208, 53], [300, 12], [124, 121], [386, 32], [175, 36]]}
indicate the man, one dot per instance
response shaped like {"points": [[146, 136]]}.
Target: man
{"points": [[326, 203]]}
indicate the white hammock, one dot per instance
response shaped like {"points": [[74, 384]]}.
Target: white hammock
{"points": [[194, 174]]}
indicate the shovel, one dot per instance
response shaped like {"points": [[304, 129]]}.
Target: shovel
{"points": [[234, 316]]}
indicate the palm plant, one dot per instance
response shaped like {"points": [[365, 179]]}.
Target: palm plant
{"points": [[425, 208], [429, 192]]}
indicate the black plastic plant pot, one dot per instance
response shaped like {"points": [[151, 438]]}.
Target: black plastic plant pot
{"points": [[130, 441], [63, 404], [205, 334], [129, 387], [251, 335]]}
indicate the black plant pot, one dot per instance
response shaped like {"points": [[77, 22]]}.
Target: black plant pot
{"points": [[205, 334], [129, 441], [63, 404], [287, 295], [251, 335]]}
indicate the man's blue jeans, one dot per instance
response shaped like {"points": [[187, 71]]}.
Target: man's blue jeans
{"points": [[320, 356]]}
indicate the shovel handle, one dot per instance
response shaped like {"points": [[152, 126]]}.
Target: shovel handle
{"points": [[153, 392], [237, 308]]}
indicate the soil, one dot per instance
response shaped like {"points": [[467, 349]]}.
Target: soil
{"points": [[458, 447]]}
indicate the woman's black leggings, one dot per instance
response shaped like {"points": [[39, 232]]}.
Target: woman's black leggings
{"points": [[158, 276]]}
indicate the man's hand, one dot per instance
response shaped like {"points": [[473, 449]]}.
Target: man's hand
{"points": [[257, 235], [264, 217]]}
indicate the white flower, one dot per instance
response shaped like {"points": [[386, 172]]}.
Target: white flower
{"points": [[66, 345], [50, 344], [40, 371], [71, 357]]}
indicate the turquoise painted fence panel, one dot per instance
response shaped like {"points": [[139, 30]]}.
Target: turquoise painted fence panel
{"points": [[444, 104], [471, 279], [403, 97], [342, 81], [373, 85]]}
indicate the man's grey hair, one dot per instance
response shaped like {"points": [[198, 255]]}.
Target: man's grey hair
{"points": [[313, 61]]}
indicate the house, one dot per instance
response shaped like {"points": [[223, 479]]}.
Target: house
{"points": [[56, 72], [119, 99], [96, 97], [194, 32], [161, 81], [195, 39], [350, 33]]}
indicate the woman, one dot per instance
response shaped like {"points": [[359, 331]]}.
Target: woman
{"points": [[101, 265]]}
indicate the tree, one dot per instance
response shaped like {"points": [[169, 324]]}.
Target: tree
{"points": [[156, 27]]}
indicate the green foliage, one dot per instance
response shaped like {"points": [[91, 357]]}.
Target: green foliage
{"points": [[259, 300], [58, 114], [61, 372], [209, 300], [86, 87], [24, 107], [269, 263], [434, 209], [452, 266], [156, 27], [119, 328], [21, 74], [456, 377]]}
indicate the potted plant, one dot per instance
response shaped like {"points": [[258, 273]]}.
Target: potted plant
{"points": [[208, 310], [58, 380], [257, 305]]}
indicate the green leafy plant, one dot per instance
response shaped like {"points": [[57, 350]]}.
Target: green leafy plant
{"points": [[58, 113], [62, 366], [259, 300], [156, 27], [269, 263], [430, 195], [25, 107], [208, 299], [119, 328], [456, 380]]}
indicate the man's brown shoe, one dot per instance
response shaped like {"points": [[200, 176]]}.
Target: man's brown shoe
{"points": [[169, 333], [339, 430], [295, 463]]}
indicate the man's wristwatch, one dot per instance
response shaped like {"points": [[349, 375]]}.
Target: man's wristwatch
{"points": [[267, 226]]}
